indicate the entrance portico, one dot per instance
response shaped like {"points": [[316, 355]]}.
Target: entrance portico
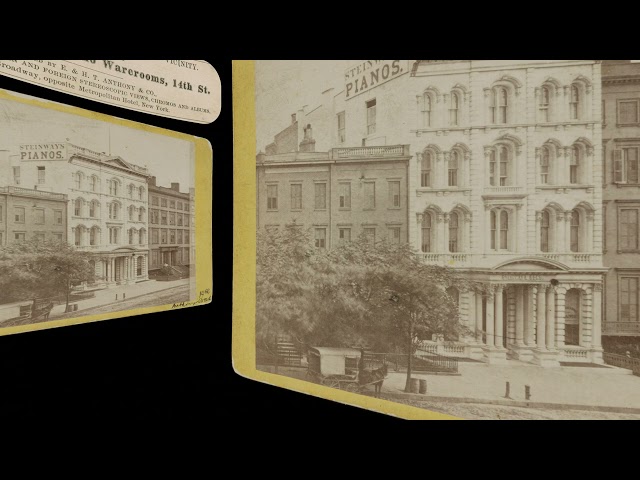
{"points": [[535, 311], [122, 266]]}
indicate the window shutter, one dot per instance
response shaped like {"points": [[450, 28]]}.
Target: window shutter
{"points": [[618, 167]]}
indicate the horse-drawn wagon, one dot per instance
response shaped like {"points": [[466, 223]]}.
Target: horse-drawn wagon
{"points": [[343, 368]]}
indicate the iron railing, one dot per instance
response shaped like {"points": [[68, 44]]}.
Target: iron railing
{"points": [[422, 361], [622, 361]]}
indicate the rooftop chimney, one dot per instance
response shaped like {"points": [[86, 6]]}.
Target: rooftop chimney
{"points": [[293, 118], [152, 181], [175, 186]]}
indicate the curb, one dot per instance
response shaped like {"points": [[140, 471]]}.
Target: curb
{"points": [[510, 403]]}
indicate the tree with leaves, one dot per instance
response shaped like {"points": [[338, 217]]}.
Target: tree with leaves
{"points": [[34, 270]]}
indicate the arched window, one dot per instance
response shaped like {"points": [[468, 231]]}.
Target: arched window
{"points": [[494, 229], [77, 207], [545, 160], [141, 234], [131, 234], [454, 162], [454, 111], [140, 193], [574, 166], [426, 113], [499, 105], [114, 211], [500, 166], [426, 233], [141, 212], [131, 188], [454, 244], [544, 231], [78, 236], [93, 236], [427, 165], [504, 230], [131, 213], [113, 187], [92, 209], [545, 102], [574, 105], [93, 183], [77, 180], [575, 231]]}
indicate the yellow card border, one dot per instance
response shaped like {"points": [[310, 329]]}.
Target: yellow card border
{"points": [[203, 201], [244, 262]]}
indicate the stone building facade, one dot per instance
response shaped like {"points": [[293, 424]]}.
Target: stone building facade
{"points": [[171, 220], [107, 212], [32, 214], [504, 183], [621, 184]]}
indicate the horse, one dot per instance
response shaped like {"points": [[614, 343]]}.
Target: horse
{"points": [[379, 373]]}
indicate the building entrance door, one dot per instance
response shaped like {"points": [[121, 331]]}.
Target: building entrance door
{"points": [[173, 258], [166, 258], [572, 318]]}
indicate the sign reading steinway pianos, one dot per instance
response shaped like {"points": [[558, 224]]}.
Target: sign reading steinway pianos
{"points": [[371, 73], [43, 151]]}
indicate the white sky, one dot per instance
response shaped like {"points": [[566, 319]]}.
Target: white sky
{"points": [[284, 86], [169, 159]]}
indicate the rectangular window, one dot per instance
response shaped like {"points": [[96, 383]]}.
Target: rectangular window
{"points": [[631, 164], [186, 207], [172, 237], [179, 219], [345, 195], [19, 237], [186, 236], [186, 220], [604, 112], [320, 196], [371, 116], [369, 195], [321, 237], [38, 216], [296, 196], [370, 234], [40, 175], [154, 236], [344, 235], [16, 175], [18, 216], [155, 257], [272, 197], [394, 234], [179, 236], [628, 112], [629, 229], [179, 205], [341, 128], [154, 201], [172, 204], [163, 217], [163, 236], [172, 218], [163, 202], [394, 194], [57, 237], [628, 299]]}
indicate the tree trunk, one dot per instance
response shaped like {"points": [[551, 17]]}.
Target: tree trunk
{"points": [[407, 387]]}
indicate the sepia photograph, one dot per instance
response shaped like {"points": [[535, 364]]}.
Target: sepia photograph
{"points": [[460, 236], [95, 217]]}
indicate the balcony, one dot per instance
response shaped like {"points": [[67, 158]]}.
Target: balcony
{"points": [[32, 193], [621, 328], [503, 190], [444, 259], [574, 258], [369, 152]]}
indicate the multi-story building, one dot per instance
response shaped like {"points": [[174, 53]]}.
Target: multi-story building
{"points": [[171, 222], [339, 194], [621, 182], [107, 212], [32, 214], [505, 184]]}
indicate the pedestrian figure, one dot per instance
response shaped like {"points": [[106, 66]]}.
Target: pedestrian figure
{"points": [[124, 295]]}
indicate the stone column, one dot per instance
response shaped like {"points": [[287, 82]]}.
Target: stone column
{"points": [[490, 340], [529, 331], [135, 266], [589, 235], [560, 302], [551, 332], [471, 311], [445, 232], [479, 330], [519, 289], [113, 269], [596, 341], [499, 328], [540, 317]]}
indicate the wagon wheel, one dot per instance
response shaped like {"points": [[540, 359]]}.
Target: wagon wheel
{"points": [[352, 387], [331, 383]]}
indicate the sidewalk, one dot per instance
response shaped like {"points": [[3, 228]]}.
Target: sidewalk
{"points": [[107, 296], [587, 386]]}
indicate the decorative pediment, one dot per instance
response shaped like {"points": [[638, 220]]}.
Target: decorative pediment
{"points": [[531, 265], [119, 162]]}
